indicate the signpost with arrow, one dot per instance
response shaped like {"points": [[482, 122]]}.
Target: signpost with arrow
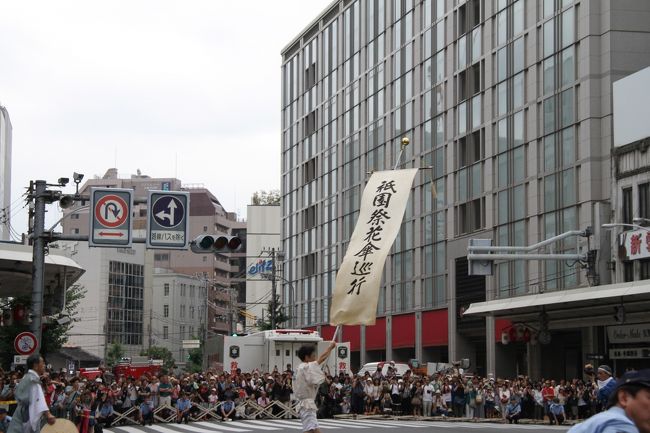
{"points": [[111, 222], [167, 221]]}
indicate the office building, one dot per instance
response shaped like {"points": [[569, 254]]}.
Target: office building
{"points": [[5, 173], [508, 104], [224, 272]]}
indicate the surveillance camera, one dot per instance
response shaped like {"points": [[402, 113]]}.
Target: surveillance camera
{"points": [[63, 181], [77, 177]]}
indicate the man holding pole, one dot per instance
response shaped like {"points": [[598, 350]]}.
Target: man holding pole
{"points": [[31, 400], [308, 376]]}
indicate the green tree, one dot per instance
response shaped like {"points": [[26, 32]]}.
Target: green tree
{"points": [[156, 352], [54, 335], [114, 354], [263, 197], [195, 360], [264, 324]]}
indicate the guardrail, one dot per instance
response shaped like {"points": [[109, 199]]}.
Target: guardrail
{"points": [[199, 412]]}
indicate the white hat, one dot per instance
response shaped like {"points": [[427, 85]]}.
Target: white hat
{"points": [[99, 380]]}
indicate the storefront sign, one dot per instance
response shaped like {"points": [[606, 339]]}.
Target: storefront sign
{"points": [[639, 333], [261, 267], [634, 245], [630, 353]]}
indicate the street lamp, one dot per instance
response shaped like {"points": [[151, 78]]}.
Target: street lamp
{"points": [[639, 220], [609, 226]]}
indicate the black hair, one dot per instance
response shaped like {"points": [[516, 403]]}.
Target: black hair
{"points": [[630, 388], [306, 351], [33, 359]]}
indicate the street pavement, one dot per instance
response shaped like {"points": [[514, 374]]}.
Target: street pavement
{"points": [[338, 426]]}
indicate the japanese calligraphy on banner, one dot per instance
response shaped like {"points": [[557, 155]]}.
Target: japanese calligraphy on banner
{"points": [[357, 282], [634, 245]]}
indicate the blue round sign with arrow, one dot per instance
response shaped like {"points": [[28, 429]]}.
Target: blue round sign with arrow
{"points": [[168, 211]]}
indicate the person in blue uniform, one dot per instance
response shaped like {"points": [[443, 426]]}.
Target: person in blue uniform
{"points": [[628, 408]]}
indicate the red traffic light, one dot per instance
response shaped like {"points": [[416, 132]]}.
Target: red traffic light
{"points": [[234, 243]]}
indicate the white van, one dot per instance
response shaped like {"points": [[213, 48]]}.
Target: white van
{"points": [[372, 367]]}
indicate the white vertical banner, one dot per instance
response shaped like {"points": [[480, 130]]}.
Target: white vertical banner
{"points": [[383, 202]]}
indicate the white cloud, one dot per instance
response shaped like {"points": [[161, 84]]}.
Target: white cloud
{"points": [[165, 84]]}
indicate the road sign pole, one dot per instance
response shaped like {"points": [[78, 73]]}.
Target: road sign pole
{"points": [[38, 260]]}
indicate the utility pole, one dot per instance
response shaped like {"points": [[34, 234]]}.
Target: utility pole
{"points": [[38, 260], [273, 288]]}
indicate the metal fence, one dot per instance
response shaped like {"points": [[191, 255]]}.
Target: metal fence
{"points": [[248, 409]]}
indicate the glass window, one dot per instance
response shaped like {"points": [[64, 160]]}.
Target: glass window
{"points": [[568, 27], [518, 200], [519, 168], [567, 107], [462, 118], [549, 192], [476, 111], [502, 64], [568, 147], [502, 27], [477, 49], [502, 98], [568, 188], [549, 153], [549, 8], [503, 207], [518, 90], [518, 129], [440, 35], [549, 37], [549, 115], [502, 133], [568, 66], [462, 52], [519, 58], [502, 170], [440, 66], [549, 75], [518, 17]]}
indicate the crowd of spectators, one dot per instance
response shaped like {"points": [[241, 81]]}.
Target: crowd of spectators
{"points": [[447, 394]]}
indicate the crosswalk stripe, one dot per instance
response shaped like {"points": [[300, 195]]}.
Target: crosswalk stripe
{"points": [[223, 426], [193, 428], [396, 424], [241, 424], [358, 423], [264, 423]]}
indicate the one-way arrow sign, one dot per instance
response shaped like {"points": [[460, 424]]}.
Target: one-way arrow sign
{"points": [[167, 222]]}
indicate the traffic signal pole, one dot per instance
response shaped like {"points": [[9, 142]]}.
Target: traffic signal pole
{"points": [[38, 260], [273, 289]]}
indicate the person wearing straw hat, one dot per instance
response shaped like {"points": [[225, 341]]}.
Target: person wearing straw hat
{"points": [[308, 377], [31, 400]]}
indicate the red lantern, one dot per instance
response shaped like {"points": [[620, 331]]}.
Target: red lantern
{"points": [[513, 334]]}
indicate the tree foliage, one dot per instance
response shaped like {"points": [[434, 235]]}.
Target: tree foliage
{"points": [[114, 353], [263, 197], [156, 352], [54, 335], [264, 324]]}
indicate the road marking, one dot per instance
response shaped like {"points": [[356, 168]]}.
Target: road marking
{"points": [[241, 424], [225, 426]]}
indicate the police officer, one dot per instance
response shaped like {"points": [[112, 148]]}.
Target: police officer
{"points": [[628, 408]]}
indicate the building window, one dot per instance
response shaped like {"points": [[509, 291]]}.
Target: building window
{"points": [[125, 303], [644, 201], [166, 289], [644, 269], [165, 332], [191, 312], [165, 310], [627, 212], [205, 229], [161, 257], [143, 212], [182, 332], [192, 289], [75, 231], [182, 311], [470, 216], [74, 216], [183, 289], [628, 271]]}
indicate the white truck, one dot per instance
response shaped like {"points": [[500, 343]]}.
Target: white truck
{"points": [[267, 351]]}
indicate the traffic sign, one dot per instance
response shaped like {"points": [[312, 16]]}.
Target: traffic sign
{"points": [[20, 359], [111, 221], [167, 221], [25, 343]]}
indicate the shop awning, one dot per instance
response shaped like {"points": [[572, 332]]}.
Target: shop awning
{"points": [[568, 301]]}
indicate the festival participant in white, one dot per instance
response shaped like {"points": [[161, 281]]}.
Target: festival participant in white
{"points": [[308, 376], [31, 401]]}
